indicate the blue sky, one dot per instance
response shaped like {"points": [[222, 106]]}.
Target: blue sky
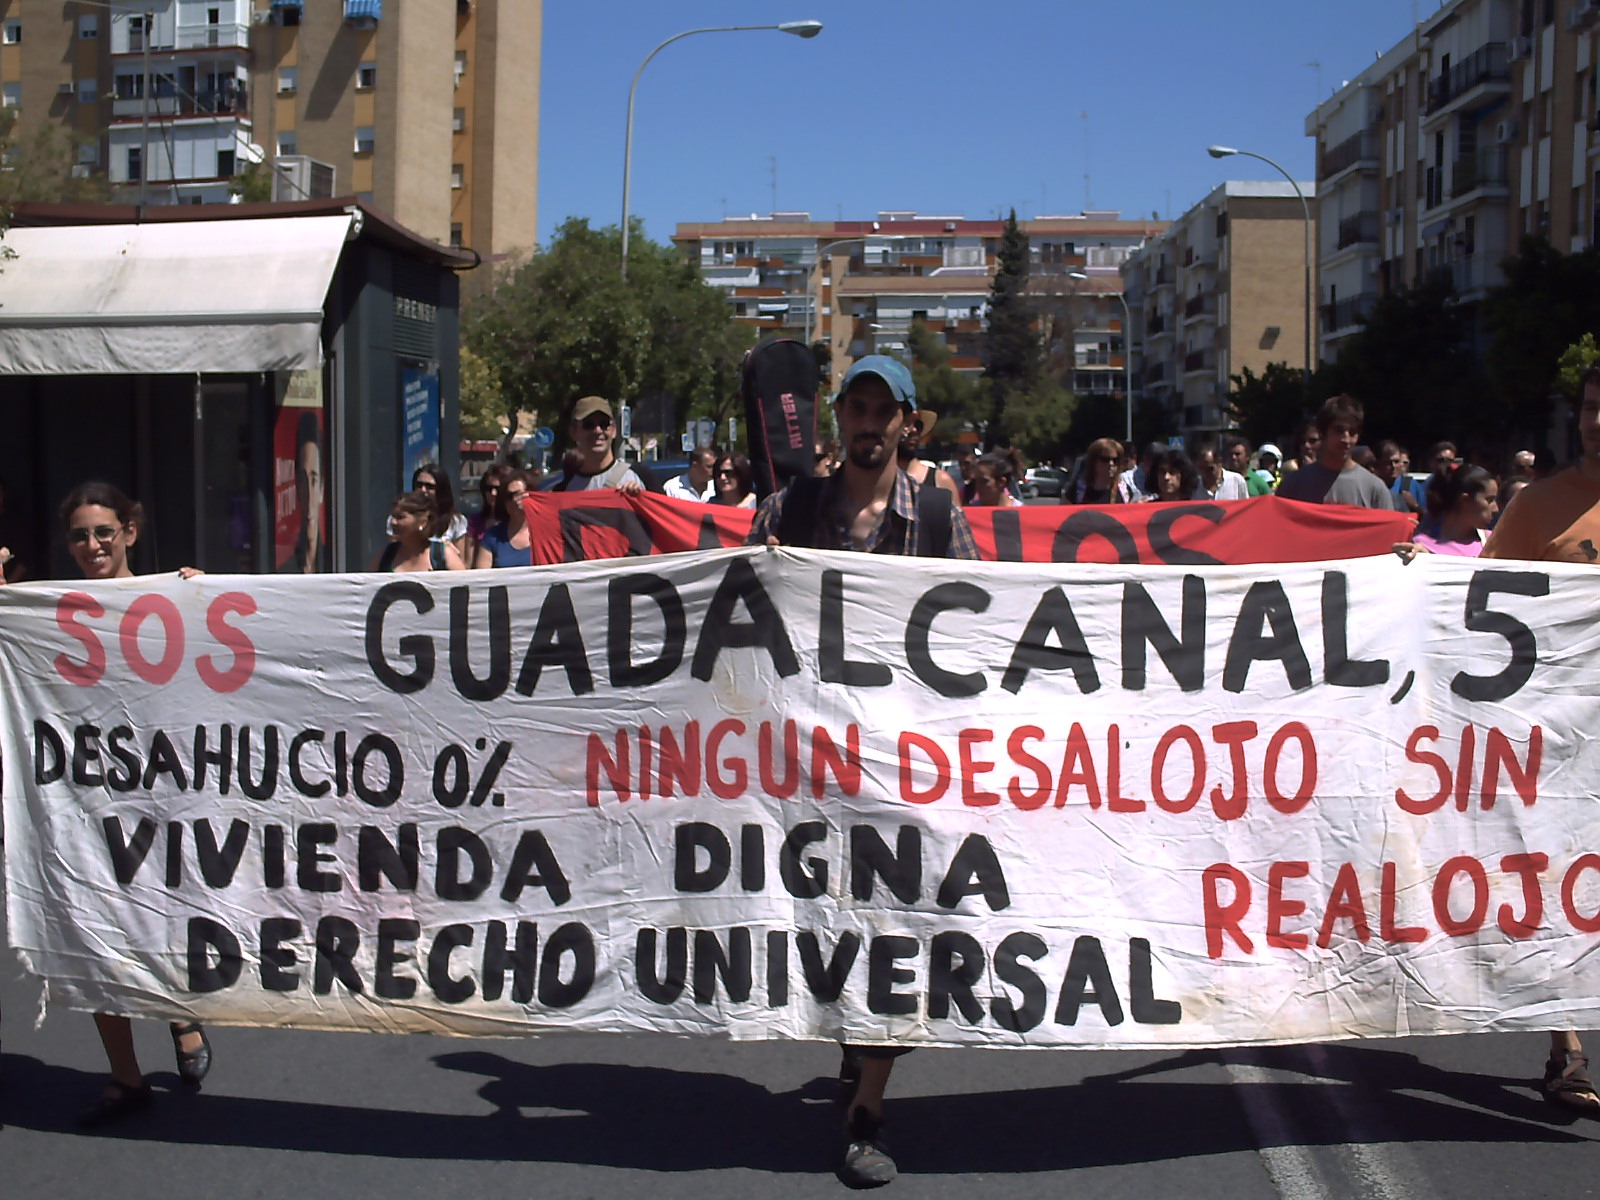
{"points": [[943, 107]]}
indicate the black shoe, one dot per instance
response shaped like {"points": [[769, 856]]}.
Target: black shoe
{"points": [[192, 1064], [118, 1100], [866, 1160]]}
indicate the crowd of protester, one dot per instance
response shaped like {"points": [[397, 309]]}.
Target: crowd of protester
{"points": [[866, 494]]}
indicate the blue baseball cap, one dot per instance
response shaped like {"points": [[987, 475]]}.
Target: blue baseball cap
{"points": [[891, 370]]}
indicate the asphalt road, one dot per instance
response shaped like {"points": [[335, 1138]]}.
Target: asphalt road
{"points": [[298, 1114]]}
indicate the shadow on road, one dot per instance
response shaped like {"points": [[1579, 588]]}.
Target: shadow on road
{"points": [[657, 1119]]}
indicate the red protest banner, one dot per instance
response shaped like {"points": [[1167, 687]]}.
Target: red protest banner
{"points": [[572, 526]]}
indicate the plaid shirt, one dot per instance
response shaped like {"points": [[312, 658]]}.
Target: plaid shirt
{"points": [[895, 533]]}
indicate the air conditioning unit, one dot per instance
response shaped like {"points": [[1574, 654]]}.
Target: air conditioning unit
{"points": [[296, 177], [1504, 132], [1395, 216], [1521, 47], [261, 16], [1583, 14], [64, 89], [80, 170]]}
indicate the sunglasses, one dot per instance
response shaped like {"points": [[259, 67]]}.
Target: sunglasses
{"points": [[597, 421], [100, 533]]}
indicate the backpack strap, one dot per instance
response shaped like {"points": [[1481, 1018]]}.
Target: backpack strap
{"points": [[935, 524], [619, 468], [386, 559], [797, 519], [436, 558]]}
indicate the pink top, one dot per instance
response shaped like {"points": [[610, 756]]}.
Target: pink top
{"points": [[1460, 549]]}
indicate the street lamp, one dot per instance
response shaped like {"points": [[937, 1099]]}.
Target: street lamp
{"points": [[1127, 355], [1305, 212], [800, 29]]}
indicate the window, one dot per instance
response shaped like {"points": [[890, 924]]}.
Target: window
{"points": [[455, 234], [366, 139], [88, 27], [458, 119], [129, 87], [367, 76], [88, 91], [135, 34], [12, 33], [457, 176], [287, 143], [461, 65], [135, 164], [288, 80], [89, 154], [10, 95], [224, 164]]}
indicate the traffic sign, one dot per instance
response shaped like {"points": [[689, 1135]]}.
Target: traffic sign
{"points": [[544, 437]]}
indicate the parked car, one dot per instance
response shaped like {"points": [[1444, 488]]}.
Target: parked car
{"points": [[1043, 481]]}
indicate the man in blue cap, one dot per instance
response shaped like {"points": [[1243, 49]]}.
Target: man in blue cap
{"points": [[869, 505]]}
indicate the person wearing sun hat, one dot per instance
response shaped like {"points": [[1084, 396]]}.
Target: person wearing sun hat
{"points": [[918, 428]]}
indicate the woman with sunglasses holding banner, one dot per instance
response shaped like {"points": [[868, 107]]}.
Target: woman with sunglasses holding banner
{"points": [[102, 525]]}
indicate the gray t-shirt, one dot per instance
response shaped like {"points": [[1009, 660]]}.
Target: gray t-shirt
{"points": [[582, 483], [1315, 484]]}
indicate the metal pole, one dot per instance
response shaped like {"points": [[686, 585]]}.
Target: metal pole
{"points": [[1305, 213], [627, 141], [1127, 366], [144, 114]]}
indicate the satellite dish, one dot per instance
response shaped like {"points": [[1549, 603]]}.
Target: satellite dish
{"points": [[253, 153]]}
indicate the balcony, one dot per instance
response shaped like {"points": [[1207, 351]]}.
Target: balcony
{"points": [[1205, 304], [1165, 277], [203, 36], [1485, 169], [1347, 313], [1197, 361], [1353, 231], [1487, 66], [206, 104], [1362, 150], [1157, 323], [1155, 373], [1473, 273]]}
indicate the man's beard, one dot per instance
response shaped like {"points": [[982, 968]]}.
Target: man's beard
{"points": [[867, 455]]}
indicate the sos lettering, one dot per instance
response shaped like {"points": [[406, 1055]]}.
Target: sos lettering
{"points": [[218, 672]]}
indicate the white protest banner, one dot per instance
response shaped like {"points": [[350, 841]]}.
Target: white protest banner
{"points": [[783, 794]]}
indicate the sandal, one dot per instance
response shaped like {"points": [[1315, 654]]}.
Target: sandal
{"points": [[116, 1101], [1567, 1084], [192, 1064]]}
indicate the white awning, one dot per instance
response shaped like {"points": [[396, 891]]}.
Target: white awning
{"points": [[169, 297]]}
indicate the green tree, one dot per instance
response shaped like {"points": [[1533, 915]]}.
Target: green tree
{"points": [[957, 398], [1549, 301], [39, 166], [484, 415], [1412, 366], [1012, 359], [564, 324], [1040, 417], [1575, 360], [253, 184], [1269, 406]]}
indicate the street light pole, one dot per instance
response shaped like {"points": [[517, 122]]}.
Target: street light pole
{"points": [[1305, 212], [801, 29], [1127, 356], [144, 91]]}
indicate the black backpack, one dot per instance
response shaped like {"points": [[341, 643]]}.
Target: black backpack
{"points": [[780, 412]]}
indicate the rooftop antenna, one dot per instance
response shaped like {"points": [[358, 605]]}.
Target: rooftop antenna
{"points": [[1087, 202], [1316, 65]]}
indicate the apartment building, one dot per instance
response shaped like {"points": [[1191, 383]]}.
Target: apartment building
{"points": [[428, 111], [860, 285], [1222, 289], [1478, 127]]}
